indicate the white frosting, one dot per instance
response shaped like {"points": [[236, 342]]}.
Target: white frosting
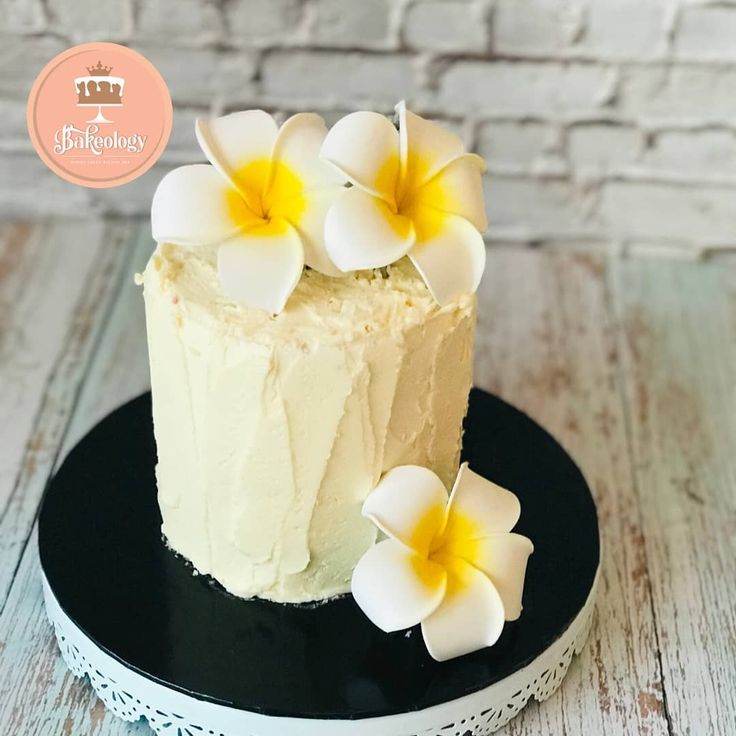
{"points": [[272, 430]]}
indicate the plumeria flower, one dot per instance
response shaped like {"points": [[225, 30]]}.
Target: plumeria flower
{"points": [[416, 191], [263, 201], [452, 566]]}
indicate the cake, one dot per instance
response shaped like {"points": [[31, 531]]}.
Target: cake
{"points": [[99, 88], [310, 310], [272, 432]]}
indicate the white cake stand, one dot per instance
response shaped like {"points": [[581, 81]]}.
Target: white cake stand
{"points": [[131, 695]]}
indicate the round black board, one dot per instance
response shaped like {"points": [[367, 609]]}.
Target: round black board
{"points": [[102, 553]]}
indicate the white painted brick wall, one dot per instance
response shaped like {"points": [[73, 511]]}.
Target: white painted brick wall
{"points": [[447, 26], [80, 21], [537, 28], [262, 23], [692, 154], [516, 146], [627, 29], [204, 76], [22, 16], [606, 122], [653, 211], [664, 95], [340, 24], [706, 34], [21, 58], [521, 88], [190, 22], [598, 149], [561, 210], [311, 79]]}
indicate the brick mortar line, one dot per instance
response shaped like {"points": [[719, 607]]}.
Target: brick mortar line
{"points": [[384, 48]]}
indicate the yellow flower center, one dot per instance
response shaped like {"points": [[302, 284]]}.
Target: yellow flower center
{"points": [[423, 535], [457, 539], [425, 205], [436, 541], [438, 549], [269, 197]]}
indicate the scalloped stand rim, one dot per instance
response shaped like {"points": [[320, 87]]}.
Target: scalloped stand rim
{"points": [[169, 712]]}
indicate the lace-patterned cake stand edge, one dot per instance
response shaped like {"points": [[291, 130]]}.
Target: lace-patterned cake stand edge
{"points": [[131, 696]]}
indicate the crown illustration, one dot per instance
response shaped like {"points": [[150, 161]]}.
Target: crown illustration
{"points": [[99, 70]]}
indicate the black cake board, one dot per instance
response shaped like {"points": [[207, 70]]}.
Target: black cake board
{"points": [[161, 642]]}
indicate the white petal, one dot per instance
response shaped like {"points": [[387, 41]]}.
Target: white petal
{"points": [[311, 229], [261, 270], [298, 144], [395, 588], [361, 231], [458, 189], [480, 503], [365, 147], [503, 558], [451, 258], [470, 617], [194, 205], [425, 146], [408, 504], [233, 141]]}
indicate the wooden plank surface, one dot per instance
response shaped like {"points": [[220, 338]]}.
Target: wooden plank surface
{"points": [[115, 371], [546, 343], [678, 342], [630, 365], [55, 287]]}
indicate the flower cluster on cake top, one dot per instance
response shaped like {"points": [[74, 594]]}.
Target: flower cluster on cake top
{"points": [[361, 195], [452, 565]]}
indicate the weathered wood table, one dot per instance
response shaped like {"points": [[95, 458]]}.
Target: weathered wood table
{"points": [[630, 364]]}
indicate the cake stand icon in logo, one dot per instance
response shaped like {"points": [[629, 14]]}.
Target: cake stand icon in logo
{"points": [[99, 90]]}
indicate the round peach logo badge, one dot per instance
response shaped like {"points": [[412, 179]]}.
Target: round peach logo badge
{"points": [[99, 115]]}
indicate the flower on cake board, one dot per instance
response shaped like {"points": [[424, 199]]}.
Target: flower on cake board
{"points": [[415, 192], [452, 565], [262, 199]]}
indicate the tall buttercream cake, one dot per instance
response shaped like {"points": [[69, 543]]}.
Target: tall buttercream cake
{"points": [[310, 311], [272, 430]]}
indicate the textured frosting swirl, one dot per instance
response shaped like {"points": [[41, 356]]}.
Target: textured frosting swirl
{"points": [[272, 430]]}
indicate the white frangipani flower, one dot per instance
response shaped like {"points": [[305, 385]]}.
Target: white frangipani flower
{"points": [[451, 565], [416, 192], [263, 201]]}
